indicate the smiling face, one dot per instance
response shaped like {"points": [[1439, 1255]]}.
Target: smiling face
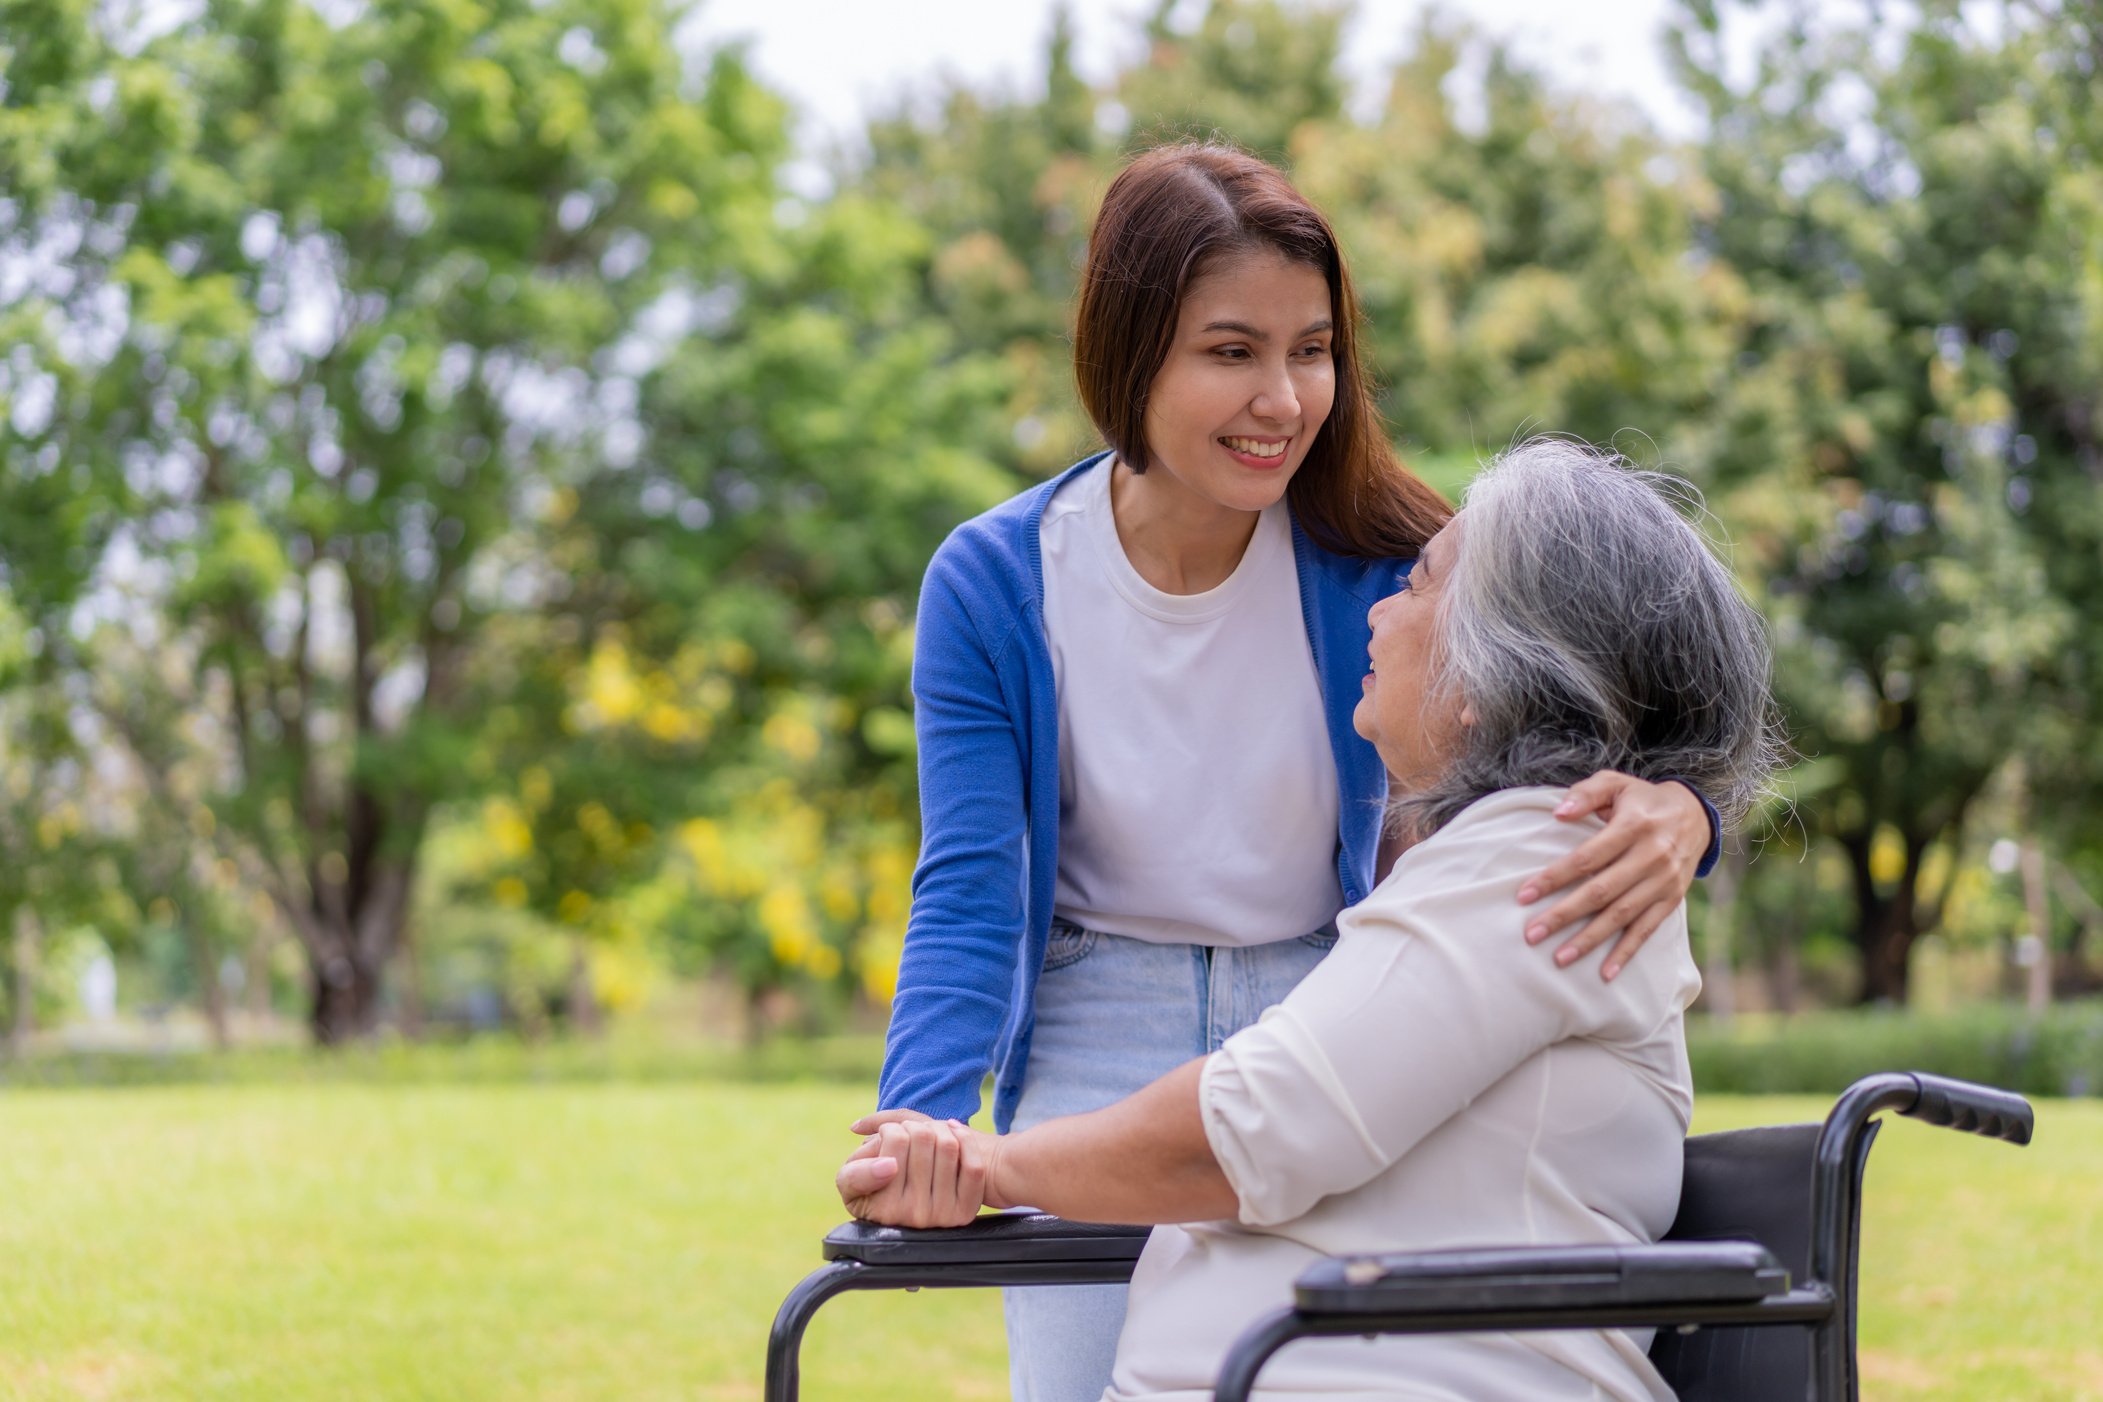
{"points": [[1413, 726], [1247, 384]]}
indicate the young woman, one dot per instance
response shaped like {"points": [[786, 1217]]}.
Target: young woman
{"points": [[1142, 799]]}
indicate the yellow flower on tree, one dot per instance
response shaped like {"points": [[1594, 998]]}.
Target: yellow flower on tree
{"points": [[508, 830], [793, 736], [612, 692], [876, 958], [786, 918]]}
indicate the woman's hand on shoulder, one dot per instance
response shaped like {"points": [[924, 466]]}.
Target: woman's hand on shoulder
{"points": [[913, 1171], [1629, 877]]}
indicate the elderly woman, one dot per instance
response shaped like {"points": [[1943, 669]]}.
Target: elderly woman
{"points": [[1431, 1084]]}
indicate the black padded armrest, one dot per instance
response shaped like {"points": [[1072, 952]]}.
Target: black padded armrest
{"points": [[1528, 1277], [1017, 1236]]}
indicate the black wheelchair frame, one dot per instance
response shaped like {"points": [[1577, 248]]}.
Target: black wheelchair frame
{"points": [[1767, 1235]]}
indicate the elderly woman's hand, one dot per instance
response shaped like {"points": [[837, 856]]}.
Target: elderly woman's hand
{"points": [[917, 1172], [1634, 873]]}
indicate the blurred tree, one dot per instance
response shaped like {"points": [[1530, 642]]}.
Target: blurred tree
{"points": [[1909, 436], [417, 416], [48, 843], [1252, 72], [167, 888], [41, 875], [1527, 269], [341, 308], [1005, 187], [814, 437], [2043, 276], [1531, 268]]}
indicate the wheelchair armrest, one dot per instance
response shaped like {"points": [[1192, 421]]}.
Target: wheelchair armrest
{"points": [[1536, 1278], [1014, 1237]]}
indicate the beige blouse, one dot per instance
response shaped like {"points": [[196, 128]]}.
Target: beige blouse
{"points": [[1435, 1082]]}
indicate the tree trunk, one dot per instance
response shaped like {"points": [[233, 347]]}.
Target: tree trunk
{"points": [[1783, 975], [1886, 966], [255, 972], [410, 1016], [2034, 951], [1885, 926], [2072, 977], [582, 1004], [344, 1001], [208, 985], [25, 975], [350, 935], [755, 1022]]}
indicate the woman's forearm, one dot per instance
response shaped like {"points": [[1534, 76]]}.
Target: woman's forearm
{"points": [[1143, 1161]]}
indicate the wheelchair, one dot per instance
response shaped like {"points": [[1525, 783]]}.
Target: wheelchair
{"points": [[1752, 1291]]}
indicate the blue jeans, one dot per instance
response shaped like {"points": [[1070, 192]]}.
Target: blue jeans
{"points": [[1114, 1014]]}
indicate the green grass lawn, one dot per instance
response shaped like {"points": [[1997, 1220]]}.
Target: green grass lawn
{"points": [[334, 1240]]}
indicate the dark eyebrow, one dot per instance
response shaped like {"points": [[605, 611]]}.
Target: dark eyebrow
{"points": [[1242, 328]]}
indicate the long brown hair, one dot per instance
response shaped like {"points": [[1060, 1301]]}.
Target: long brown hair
{"points": [[1166, 216]]}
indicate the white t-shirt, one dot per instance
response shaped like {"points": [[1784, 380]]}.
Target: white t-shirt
{"points": [[1197, 791]]}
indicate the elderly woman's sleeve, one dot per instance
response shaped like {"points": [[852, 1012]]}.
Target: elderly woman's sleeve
{"points": [[1430, 998]]}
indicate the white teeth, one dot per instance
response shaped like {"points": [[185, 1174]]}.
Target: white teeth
{"points": [[1255, 447]]}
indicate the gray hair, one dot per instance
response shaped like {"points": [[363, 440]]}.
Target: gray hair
{"points": [[1587, 626]]}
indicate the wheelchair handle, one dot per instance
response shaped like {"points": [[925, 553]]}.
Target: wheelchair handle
{"points": [[1976, 1109]]}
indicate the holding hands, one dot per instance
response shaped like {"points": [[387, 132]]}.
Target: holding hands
{"points": [[913, 1171]]}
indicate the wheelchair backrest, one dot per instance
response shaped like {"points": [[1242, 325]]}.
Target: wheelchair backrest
{"points": [[1748, 1185]]}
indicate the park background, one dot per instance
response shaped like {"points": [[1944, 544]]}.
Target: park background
{"points": [[465, 470]]}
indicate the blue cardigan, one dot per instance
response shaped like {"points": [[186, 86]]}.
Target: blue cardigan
{"points": [[986, 713]]}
